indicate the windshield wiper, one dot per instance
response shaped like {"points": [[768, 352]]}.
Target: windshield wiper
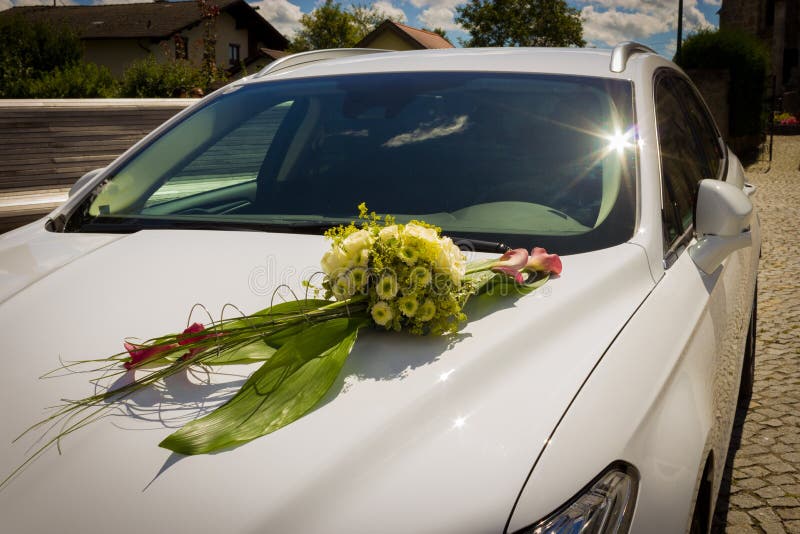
{"points": [[478, 245], [127, 225]]}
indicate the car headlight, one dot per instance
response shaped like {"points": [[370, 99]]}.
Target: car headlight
{"points": [[604, 506]]}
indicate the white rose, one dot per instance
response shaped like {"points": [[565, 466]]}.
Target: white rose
{"points": [[333, 261], [421, 232], [451, 260], [356, 246], [388, 233]]}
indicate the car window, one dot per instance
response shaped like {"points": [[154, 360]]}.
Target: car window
{"points": [[680, 161], [500, 157], [227, 160], [704, 134]]}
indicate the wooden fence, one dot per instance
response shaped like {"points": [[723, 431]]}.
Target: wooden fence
{"points": [[46, 145]]}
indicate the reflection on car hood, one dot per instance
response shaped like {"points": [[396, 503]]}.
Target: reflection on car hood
{"points": [[418, 434]]}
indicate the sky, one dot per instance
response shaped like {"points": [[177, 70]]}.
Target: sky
{"points": [[605, 22]]}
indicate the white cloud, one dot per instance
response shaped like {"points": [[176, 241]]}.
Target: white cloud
{"points": [[671, 47], [712, 2], [438, 17], [611, 26], [386, 7], [449, 4], [282, 14], [607, 22]]}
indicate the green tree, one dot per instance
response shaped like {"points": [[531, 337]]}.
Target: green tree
{"points": [[438, 31], [366, 18], [29, 50], [332, 26], [746, 59], [520, 23]]}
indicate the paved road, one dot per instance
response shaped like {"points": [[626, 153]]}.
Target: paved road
{"points": [[763, 473]]}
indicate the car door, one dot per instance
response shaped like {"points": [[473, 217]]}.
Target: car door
{"points": [[711, 311]]}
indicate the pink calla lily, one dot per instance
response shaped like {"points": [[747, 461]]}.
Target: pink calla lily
{"points": [[514, 259], [513, 273], [185, 339], [512, 263], [194, 328], [541, 261], [142, 353]]}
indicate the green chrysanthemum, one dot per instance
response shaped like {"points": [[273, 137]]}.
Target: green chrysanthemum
{"points": [[427, 311], [408, 305], [387, 286], [408, 254], [382, 313], [359, 277], [342, 287], [420, 276]]}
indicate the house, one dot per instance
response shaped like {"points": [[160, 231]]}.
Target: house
{"points": [[395, 36], [777, 24], [262, 58], [116, 35]]}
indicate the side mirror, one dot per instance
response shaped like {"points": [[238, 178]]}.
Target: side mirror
{"points": [[83, 180], [722, 223]]}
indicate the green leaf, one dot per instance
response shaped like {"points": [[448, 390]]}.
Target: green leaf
{"points": [[502, 285], [282, 390], [277, 312], [480, 279], [253, 351], [530, 287]]}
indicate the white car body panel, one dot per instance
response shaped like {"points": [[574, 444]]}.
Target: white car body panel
{"points": [[419, 413], [31, 253], [621, 358], [662, 398]]}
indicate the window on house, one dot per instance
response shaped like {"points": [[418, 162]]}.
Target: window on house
{"points": [[233, 53], [181, 47]]}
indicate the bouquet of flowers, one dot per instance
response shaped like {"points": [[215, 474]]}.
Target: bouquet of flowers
{"points": [[376, 274]]}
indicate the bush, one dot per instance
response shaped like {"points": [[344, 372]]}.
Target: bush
{"points": [[82, 80], [746, 59], [29, 50], [148, 78]]}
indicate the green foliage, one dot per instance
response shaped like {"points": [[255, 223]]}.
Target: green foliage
{"points": [[148, 78], [282, 390], [520, 23], [332, 26], [81, 80], [746, 59], [30, 50]]}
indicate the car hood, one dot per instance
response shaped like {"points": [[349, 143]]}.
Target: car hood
{"points": [[419, 434]]}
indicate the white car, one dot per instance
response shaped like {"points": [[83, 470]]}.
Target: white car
{"points": [[603, 402]]}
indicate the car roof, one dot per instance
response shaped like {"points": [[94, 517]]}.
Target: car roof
{"points": [[568, 61]]}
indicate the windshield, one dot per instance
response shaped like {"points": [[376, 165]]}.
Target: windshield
{"points": [[522, 159]]}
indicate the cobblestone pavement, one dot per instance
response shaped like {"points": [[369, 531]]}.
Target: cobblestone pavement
{"points": [[763, 471]]}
